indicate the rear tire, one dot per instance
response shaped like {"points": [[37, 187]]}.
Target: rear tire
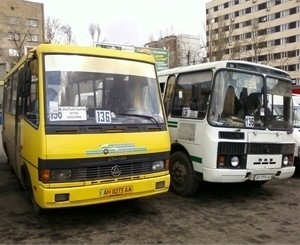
{"points": [[183, 181]]}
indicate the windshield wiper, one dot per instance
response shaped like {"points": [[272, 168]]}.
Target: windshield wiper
{"points": [[139, 115]]}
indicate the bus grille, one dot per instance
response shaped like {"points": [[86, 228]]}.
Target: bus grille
{"points": [[232, 135], [106, 171], [250, 148]]}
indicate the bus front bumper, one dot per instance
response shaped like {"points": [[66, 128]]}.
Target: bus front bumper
{"points": [[242, 175], [101, 193]]}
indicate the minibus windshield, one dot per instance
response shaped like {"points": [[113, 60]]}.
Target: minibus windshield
{"points": [[89, 90]]}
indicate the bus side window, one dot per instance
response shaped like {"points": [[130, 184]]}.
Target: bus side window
{"points": [[169, 92], [32, 99]]}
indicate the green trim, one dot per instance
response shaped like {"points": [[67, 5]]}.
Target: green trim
{"points": [[172, 124], [196, 159]]}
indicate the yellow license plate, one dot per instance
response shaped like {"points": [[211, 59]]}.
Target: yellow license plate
{"points": [[116, 191]]}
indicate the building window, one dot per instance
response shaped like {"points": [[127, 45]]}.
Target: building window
{"points": [[32, 22], [14, 36], [291, 39], [13, 52], [292, 53], [292, 25], [277, 42], [0, 51], [14, 21], [262, 6], [262, 19], [33, 38], [285, 13]]}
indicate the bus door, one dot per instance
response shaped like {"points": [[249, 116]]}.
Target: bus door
{"points": [[26, 102]]}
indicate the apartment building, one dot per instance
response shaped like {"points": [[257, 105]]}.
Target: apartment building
{"points": [[264, 31], [183, 49], [21, 28]]}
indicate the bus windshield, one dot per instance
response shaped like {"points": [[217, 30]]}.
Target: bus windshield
{"points": [[240, 100], [93, 90]]}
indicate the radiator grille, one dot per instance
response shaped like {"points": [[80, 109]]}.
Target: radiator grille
{"points": [[102, 172], [249, 148], [232, 135]]}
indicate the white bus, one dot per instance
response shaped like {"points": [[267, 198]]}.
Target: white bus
{"points": [[222, 126]]}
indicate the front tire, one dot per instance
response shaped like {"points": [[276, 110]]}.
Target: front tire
{"points": [[183, 181]]}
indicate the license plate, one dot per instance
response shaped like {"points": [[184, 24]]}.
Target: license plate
{"points": [[263, 177], [116, 191]]}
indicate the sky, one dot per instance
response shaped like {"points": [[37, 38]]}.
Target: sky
{"points": [[128, 22]]}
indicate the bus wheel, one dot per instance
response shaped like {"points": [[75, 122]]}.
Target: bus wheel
{"points": [[183, 181]]}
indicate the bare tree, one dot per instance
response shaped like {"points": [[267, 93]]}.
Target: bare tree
{"points": [[18, 32], [57, 32], [218, 35], [95, 32], [53, 30], [68, 34], [257, 49]]}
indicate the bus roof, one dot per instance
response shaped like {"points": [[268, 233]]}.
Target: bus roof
{"points": [[82, 50], [245, 65]]}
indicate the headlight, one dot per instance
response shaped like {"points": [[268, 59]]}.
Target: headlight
{"points": [[157, 165], [61, 174], [285, 161], [234, 161]]}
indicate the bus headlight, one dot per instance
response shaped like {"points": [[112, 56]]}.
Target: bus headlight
{"points": [[234, 161], [157, 165], [61, 174], [285, 161]]}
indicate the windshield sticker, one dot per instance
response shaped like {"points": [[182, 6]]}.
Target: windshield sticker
{"points": [[187, 112], [67, 113], [117, 148], [103, 116], [249, 121]]}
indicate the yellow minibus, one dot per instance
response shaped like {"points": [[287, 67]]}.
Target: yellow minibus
{"points": [[85, 125]]}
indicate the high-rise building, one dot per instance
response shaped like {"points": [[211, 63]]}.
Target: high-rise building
{"points": [[21, 28], [263, 31]]}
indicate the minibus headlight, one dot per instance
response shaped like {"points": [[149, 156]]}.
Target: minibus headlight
{"points": [[234, 161], [61, 174], [157, 165]]}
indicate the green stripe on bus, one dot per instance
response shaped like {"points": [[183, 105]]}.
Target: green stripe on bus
{"points": [[196, 159], [172, 124]]}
